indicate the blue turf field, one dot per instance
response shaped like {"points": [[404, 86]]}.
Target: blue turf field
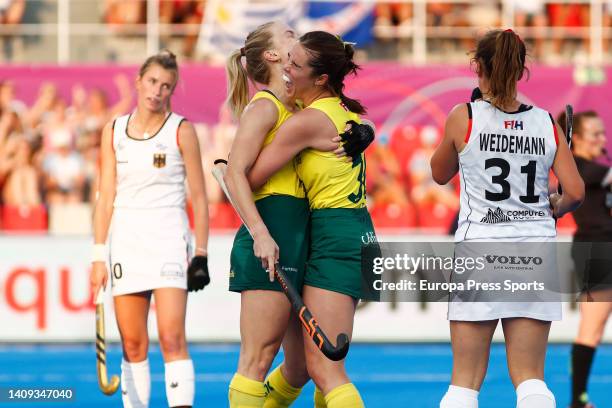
{"points": [[404, 375]]}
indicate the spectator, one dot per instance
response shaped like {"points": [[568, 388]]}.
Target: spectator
{"points": [[42, 106], [56, 127], [63, 170], [8, 101], [21, 188], [7, 148], [607, 23], [424, 189], [184, 12], [393, 13], [568, 19], [122, 12], [384, 177], [11, 11], [531, 14], [89, 112]]}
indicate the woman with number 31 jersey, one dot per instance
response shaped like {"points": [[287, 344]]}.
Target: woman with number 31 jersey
{"points": [[503, 151]]}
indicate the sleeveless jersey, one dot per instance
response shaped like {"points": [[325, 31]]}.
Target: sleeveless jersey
{"points": [[504, 171], [150, 172], [331, 182], [285, 181]]}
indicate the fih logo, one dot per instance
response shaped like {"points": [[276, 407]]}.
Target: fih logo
{"points": [[513, 124], [495, 217]]}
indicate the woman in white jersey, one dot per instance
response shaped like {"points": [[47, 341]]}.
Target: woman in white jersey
{"points": [[145, 158], [497, 182]]}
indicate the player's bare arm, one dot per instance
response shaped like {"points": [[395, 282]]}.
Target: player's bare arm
{"points": [[445, 162], [566, 171], [256, 121], [190, 149], [103, 211], [308, 129]]}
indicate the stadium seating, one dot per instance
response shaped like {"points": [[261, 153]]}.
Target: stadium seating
{"points": [[435, 216], [390, 216], [24, 219], [221, 216], [70, 219]]}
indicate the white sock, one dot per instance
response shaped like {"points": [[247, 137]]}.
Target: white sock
{"points": [[135, 384], [180, 383], [459, 397], [534, 394]]}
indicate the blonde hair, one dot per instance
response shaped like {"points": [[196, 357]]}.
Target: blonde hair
{"points": [[257, 70]]}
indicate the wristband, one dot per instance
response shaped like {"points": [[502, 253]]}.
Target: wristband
{"points": [[98, 253], [202, 251]]}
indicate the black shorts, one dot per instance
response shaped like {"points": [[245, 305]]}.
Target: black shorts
{"points": [[592, 265]]}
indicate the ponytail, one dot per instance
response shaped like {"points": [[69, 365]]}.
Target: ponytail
{"points": [[330, 55], [237, 84], [350, 68], [501, 55], [257, 70]]}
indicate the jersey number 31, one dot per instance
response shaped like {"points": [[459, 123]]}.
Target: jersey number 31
{"points": [[500, 179]]}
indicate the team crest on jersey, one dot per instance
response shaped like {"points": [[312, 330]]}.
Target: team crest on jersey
{"points": [[159, 160], [513, 124]]}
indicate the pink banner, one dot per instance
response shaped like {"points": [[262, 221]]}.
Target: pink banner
{"points": [[394, 94]]}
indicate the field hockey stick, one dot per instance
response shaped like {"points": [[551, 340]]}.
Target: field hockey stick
{"points": [[108, 388], [569, 125], [306, 318]]}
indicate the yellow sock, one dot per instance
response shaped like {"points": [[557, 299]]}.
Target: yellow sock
{"points": [[344, 396], [319, 399], [280, 394], [246, 393]]}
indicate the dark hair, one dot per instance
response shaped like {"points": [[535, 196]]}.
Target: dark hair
{"points": [[165, 59], [257, 42], [578, 121], [329, 55], [500, 57]]}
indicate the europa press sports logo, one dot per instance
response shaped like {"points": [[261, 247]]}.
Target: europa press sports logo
{"points": [[499, 216]]}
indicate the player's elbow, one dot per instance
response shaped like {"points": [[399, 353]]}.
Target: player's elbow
{"points": [[574, 193], [440, 173]]}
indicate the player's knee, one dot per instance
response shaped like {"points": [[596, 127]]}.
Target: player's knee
{"points": [[135, 348], [172, 343], [318, 371]]}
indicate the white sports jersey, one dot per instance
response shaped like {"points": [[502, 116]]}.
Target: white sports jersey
{"points": [[504, 172], [150, 172]]}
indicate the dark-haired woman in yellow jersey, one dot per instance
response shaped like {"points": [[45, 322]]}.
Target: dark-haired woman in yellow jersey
{"points": [[335, 188]]}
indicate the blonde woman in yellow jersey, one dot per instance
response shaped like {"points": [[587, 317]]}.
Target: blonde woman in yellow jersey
{"points": [[335, 188], [275, 212]]}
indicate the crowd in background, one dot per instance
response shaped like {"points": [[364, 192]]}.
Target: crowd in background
{"points": [[49, 155], [552, 28], [532, 16], [49, 150]]}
